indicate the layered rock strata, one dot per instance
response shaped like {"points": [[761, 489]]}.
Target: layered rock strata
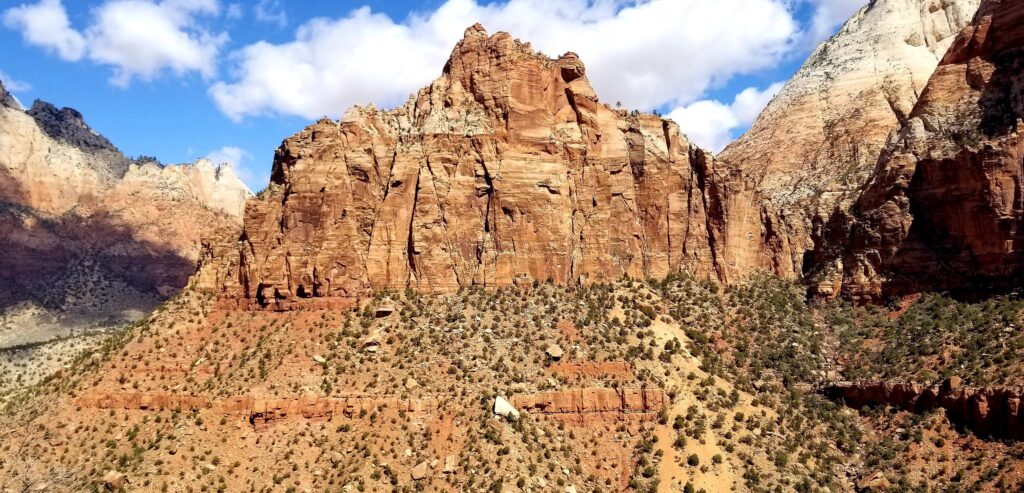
{"points": [[594, 403], [261, 412], [995, 412], [507, 169], [943, 210]]}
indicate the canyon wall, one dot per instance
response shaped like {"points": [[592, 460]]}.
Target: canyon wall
{"points": [[943, 209], [68, 196], [818, 141], [89, 238]]}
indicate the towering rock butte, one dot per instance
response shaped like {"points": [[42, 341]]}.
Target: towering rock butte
{"points": [[505, 169], [508, 169], [67, 195], [943, 210], [819, 139]]}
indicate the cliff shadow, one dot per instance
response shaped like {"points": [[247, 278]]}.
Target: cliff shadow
{"points": [[1001, 102], [93, 267]]}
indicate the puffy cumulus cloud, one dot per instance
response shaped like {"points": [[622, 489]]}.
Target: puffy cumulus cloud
{"points": [[141, 39], [46, 24], [830, 14], [138, 38], [710, 124], [646, 54]]}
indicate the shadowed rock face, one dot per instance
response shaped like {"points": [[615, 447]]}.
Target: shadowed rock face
{"points": [[68, 126], [505, 169], [943, 209], [90, 236], [994, 412]]}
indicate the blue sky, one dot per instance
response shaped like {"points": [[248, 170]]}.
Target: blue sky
{"points": [[181, 79]]}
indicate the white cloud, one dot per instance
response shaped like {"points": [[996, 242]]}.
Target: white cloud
{"points": [[367, 57], [46, 24], [710, 124], [142, 39], [138, 38], [238, 159], [234, 11], [829, 15], [271, 12], [228, 154], [13, 85]]}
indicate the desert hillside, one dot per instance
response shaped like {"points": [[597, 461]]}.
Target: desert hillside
{"points": [[507, 285]]}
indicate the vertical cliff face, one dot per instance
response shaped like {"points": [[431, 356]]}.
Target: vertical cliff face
{"points": [[505, 169], [943, 209], [819, 139]]}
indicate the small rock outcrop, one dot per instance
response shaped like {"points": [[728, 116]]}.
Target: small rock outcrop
{"points": [[115, 481], [994, 412], [594, 403], [68, 126]]}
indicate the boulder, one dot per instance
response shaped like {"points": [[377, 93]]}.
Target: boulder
{"points": [[505, 409], [114, 481], [874, 482], [449, 465], [421, 471]]}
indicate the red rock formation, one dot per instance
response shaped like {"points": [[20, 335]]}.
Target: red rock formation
{"points": [[602, 403], [817, 141], [943, 210], [987, 411], [505, 169]]}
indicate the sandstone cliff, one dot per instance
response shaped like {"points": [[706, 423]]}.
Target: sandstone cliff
{"points": [[506, 169], [819, 139], [943, 210]]}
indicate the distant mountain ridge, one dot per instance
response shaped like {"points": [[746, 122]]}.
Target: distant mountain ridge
{"points": [[80, 221]]}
